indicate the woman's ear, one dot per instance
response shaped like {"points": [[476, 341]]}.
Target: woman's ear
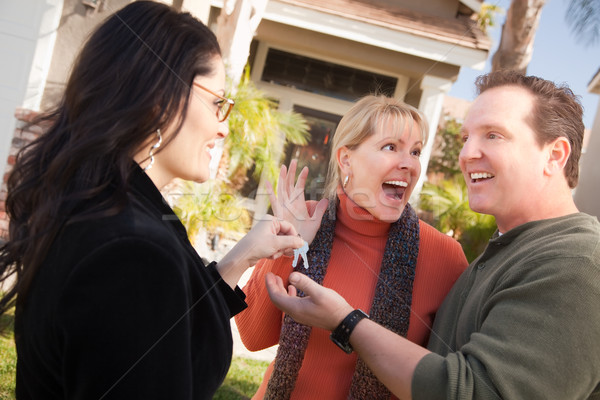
{"points": [[559, 151], [343, 155]]}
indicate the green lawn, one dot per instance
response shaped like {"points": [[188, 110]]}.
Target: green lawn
{"points": [[241, 382], [243, 379], [8, 359]]}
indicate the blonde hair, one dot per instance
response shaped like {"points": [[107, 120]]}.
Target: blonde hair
{"points": [[361, 121]]}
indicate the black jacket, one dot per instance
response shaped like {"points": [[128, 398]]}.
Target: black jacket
{"points": [[124, 308]]}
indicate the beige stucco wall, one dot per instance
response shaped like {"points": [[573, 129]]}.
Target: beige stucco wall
{"points": [[76, 23], [348, 51], [355, 54], [27, 35]]}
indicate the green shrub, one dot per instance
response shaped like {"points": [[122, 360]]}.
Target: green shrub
{"points": [[448, 203]]}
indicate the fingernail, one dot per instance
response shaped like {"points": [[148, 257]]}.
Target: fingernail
{"points": [[293, 278]]}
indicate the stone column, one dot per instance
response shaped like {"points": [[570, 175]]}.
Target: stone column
{"points": [[432, 98], [27, 35], [199, 9]]}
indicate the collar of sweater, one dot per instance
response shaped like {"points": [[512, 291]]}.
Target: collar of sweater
{"points": [[359, 220]]}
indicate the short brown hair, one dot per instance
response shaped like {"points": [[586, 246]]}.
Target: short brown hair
{"points": [[557, 112]]}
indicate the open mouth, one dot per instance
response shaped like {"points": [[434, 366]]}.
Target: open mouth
{"points": [[394, 189], [480, 176]]}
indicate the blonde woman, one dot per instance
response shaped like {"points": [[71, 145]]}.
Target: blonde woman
{"points": [[369, 246]]}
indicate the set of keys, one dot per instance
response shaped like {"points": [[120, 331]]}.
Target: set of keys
{"points": [[301, 252]]}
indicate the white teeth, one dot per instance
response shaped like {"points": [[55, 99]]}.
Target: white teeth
{"points": [[397, 183], [481, 175]]}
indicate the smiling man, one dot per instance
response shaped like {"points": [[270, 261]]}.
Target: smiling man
{"points": [[522, 322], [521, 151]]}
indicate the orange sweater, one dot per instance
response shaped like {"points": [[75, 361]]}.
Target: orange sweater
{"points": [[356, 256]]}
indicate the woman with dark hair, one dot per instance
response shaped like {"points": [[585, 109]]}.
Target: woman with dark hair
{"points": [[112, 301]]}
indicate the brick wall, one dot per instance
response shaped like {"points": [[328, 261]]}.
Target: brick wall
{"points": [[21, 138]]}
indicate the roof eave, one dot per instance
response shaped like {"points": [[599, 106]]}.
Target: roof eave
{"points": [[594, 85], [474, 5], [433, 46]]}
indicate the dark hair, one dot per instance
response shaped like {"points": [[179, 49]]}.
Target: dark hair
{"points": [[132, 77], [557, 112]]}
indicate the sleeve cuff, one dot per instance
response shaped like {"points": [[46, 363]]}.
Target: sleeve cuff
{"points": [[430, 378], [235, 298]]}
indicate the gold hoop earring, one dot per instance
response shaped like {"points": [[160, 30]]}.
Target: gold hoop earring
{"points": [[154, 147], [346, 179]]}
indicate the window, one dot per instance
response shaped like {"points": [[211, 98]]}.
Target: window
{"points": [[324, 78], [315, 155]]}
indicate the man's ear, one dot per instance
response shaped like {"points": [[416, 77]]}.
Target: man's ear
{"points": [[343, 155], [559, 151]]}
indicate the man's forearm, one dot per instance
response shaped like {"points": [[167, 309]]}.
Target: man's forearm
{"points": [[391, 357]]}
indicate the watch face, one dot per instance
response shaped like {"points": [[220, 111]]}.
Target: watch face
{"points": [[344, 346], [341, 335]]}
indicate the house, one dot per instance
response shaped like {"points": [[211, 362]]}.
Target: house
{"points": [[318, 57], [588, 191], [315, 57]]}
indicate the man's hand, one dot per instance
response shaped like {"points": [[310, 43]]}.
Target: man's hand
{"points": [[321, 307]]}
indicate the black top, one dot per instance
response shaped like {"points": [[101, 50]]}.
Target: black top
{"points": [[124, 308]]}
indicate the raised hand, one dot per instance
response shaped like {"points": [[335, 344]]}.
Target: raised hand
{"points": [[290, 205]]}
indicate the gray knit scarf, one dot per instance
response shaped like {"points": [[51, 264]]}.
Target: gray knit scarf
{"points": [[391, 304]]}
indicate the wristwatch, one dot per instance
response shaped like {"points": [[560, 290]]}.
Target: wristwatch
{"points": [[341, 335]]}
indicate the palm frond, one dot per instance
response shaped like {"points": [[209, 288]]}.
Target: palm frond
{"points": [[448, 201], [583, 17], [256, 132]]}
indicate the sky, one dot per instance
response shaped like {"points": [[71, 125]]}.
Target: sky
{"points": [[557, 56]]}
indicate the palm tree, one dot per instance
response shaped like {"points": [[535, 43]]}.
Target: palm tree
{"points": [[209, 207], [522, 20], [449, 203], [583, 17], [518, 33], [256, 130]]}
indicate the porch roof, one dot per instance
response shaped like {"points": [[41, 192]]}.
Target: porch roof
{"points": [[456, 41], [461, 30]]}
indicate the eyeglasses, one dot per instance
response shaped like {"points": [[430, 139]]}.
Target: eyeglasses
{"points": [[224, 105]]}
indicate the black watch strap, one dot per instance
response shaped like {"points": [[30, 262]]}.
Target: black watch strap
{"points": [[341, 335]]}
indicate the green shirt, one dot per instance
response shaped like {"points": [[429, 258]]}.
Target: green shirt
{"points": [[523, 321]]}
